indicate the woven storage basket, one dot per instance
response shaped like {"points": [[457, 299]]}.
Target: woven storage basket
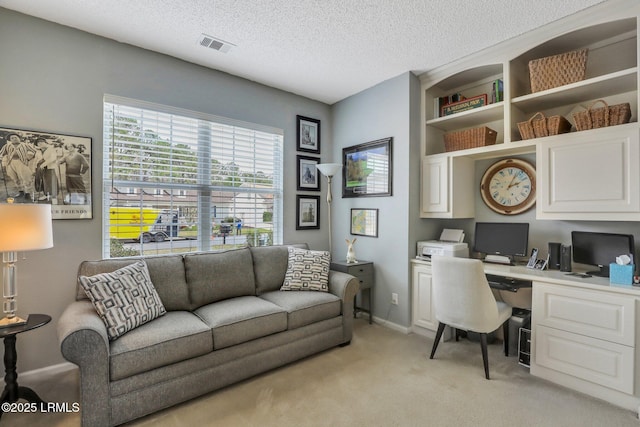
{"points": [[543, 126], [469, 138], [594, 118], [557, 70]]}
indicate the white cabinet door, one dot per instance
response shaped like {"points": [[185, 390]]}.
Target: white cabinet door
{"points": [[423, 310], [591, 175], [435, 185], [597, 361], [447, 187]]}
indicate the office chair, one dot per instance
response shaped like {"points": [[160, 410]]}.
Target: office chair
{"points": [[463, 300]]}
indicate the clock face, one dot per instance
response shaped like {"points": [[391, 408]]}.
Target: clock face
{"points": [[509, 186]]}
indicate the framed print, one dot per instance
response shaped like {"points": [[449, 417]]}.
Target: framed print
{"points": [[308, 175], [367, 169], [308, 134], [46, 167], [364, 222], [307, 212]]}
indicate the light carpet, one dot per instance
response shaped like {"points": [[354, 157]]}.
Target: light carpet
{"points": [[384, 378]]}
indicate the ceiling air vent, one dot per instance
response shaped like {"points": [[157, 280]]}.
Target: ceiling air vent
{"points": [[215, 44]]}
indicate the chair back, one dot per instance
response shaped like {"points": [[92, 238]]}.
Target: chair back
{"points": [[462, 296]]}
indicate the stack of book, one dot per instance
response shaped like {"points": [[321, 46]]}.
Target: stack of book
{"points": [[497, 91]]}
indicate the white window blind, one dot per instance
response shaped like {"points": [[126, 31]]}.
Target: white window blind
{"points": [[180, 181]]}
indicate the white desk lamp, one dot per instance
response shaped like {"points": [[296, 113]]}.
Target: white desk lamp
{"points": [[329, 170], [23, 227]]}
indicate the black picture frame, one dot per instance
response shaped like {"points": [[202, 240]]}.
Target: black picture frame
{"points": [[308, 134], [308, 176], [59, 171], [368, 169], [364, 222], [307, 212]]}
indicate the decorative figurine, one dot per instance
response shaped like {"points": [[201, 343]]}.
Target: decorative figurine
{"points": [[351, 253]]}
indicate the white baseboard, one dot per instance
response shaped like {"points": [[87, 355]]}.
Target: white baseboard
{"points": [[48, 370], [387, 324]]}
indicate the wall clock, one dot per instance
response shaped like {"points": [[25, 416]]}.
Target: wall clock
{"points": [[509, 186]]}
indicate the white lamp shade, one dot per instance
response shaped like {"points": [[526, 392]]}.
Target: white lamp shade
{"points": [[25, 227], [329, 169]]}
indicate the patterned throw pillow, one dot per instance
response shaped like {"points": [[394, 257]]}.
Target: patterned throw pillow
{"points": [[307, 271], [124, 299]]}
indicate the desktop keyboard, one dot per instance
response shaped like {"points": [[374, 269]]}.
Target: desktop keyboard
{"points": [[507, 283]]}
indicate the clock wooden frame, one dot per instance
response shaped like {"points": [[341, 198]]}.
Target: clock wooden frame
{"points": [[492, 170]]}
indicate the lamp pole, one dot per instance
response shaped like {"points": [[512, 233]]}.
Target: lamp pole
{"points": [[329, 170]]}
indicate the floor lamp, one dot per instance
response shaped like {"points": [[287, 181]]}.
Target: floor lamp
{"points": [[23, 227], [329, 170]]}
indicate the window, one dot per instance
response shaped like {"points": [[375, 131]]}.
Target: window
{"points": [[181, 181]]}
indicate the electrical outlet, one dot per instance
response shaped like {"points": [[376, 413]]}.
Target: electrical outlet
{"points": [[394, 299]]}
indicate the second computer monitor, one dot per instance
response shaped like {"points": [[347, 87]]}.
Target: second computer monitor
{"points": [[501, 239]]}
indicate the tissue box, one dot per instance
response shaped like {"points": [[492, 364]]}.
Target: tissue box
{"points": [[621, 274]]}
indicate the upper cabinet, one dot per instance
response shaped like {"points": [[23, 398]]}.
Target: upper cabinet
{"points": [[609, 34]]}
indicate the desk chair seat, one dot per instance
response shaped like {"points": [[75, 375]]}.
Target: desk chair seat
{"points": [[463, 300]]}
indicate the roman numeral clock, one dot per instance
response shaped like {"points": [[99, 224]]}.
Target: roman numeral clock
{"points": [[509, 186]]}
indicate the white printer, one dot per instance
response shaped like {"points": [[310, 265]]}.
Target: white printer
{"points": [[450, 244]]}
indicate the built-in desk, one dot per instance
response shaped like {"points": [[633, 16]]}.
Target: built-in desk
{"points": [[584, 331]]}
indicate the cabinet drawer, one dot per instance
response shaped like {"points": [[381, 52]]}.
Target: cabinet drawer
{"points": [[601, 362], [366, 281], [360, 270], [594, 314]]}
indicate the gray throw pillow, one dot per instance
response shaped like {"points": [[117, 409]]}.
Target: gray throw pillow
{"points": [[124, 299], [307, 271]]}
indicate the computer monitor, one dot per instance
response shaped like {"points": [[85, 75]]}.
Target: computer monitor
{"points": [[501, 241], [600, 249]]}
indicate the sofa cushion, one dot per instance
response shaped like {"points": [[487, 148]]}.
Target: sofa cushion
{"points": [[237, 320], [304, 308], [166, 272], [176, 336], [270, 265], [124, 299], [307, 270], [214, 276]]}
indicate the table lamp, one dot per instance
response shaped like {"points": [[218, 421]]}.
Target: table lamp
{"points": [[329, 170], [23, 227]]}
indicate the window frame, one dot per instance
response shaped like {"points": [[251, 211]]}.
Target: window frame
{"points": [[204, 187]]}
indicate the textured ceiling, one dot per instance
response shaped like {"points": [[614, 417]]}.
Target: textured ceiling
{"points": [[322, 49]]}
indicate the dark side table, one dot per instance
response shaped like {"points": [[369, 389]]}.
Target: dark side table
{"points": [[12, 391], [363, 271]]}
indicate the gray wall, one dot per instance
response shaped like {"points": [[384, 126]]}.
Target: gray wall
{"points": [[53, 79], [389, 109]]}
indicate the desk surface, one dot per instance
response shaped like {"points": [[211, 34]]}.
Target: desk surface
{"points": [[552, 276]]}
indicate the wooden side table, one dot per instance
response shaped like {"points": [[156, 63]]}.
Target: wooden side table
{"points": [[363, 271], [12, 391]]}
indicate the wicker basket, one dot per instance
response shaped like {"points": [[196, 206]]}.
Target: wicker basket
{"points": [[543, 126], [558, 70], [469, 138], [594, 118]]}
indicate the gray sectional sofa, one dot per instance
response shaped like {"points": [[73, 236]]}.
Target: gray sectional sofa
{"points": [[226, 320]]}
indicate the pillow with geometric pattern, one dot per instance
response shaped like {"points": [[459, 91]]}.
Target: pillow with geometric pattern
{"points": [[124, 299], [307, 271]]}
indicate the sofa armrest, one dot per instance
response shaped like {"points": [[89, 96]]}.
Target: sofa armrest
{"points": [[84, 341], [345, 286]]}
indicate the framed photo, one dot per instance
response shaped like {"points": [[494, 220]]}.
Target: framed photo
{"points": [[367, 169], [307, 212], [308, 176], [308, 134], [46, 167], [364, 222]]}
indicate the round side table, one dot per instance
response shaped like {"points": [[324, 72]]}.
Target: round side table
{"points": [[12, 391]]}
